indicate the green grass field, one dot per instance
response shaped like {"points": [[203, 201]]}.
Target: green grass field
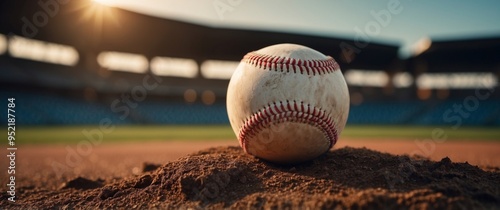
{"points": [[74, 134]]}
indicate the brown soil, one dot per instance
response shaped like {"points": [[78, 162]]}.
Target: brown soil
{"points": [[224, 177]]}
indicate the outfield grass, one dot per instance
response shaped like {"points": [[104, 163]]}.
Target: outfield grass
{"points": [[65, 134], [74, 134], [421, 132]]}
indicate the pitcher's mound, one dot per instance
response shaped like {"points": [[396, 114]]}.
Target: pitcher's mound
{"points": [[225, 177]]}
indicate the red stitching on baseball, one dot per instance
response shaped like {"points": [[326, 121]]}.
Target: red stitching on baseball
{"points": [[277, 63], [288, 112]]}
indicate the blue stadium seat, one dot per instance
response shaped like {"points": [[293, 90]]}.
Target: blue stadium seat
{"points": [[33, 108]]}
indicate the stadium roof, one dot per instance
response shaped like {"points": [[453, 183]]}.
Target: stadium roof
{"points": [[112, 29], [460, 55], [93, 28]]}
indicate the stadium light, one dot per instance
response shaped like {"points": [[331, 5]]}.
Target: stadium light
{"points": [[217, 69], [119, 61], [174, 67], [423, 93], [370, 78], [457, 80], [208, 97], [356, 98], [31, 49], [190, 96], [402, 80], [421, 46], [3, 44]]}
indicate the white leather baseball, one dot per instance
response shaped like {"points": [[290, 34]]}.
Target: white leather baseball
{"points": [[287, 103]]}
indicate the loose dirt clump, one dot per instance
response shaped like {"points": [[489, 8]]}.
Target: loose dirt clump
{"points": [[225, 177]]}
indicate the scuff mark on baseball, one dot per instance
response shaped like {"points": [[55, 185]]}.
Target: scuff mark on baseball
{"points": [[287, 103]]}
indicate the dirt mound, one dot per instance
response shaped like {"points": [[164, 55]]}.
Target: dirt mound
{"points": [[225, 177]]}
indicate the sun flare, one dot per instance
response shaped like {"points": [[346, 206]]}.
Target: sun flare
{"points": [[105, 2], [99, 11]]}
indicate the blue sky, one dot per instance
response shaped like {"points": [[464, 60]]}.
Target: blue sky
{"points": [[418, 18]]}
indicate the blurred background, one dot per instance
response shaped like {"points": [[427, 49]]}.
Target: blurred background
{"points": [[156, 63]]}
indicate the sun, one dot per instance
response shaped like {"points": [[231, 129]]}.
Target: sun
{"points": [[98, 13]]}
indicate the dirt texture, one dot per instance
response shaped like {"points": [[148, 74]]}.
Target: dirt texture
{"points": [[225, 177]]}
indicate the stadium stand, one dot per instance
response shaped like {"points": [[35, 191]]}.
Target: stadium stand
{"points": [[182, 113], [383, 112], [42, 108], [51, 94], [444, 113], [45, 108]]}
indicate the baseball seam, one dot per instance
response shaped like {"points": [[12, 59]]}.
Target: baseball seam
{"points": [[287, 64], [286, 111]]}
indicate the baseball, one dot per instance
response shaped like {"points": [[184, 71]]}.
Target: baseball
{"points": [[287, 103]]}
